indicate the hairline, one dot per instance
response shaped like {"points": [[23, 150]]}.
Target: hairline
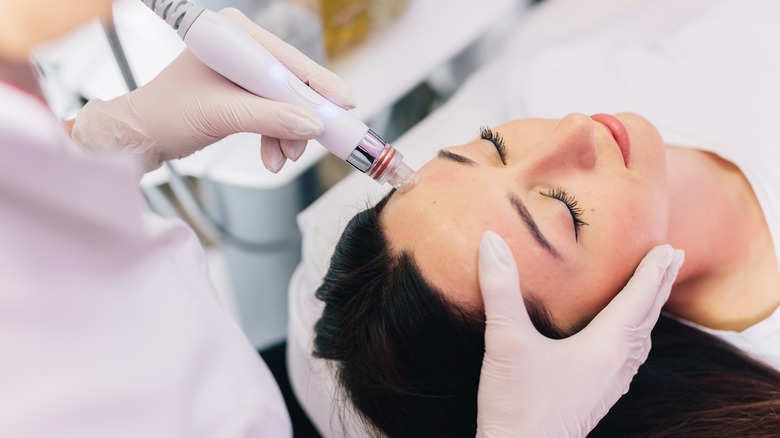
{"points": [[538, 312]]}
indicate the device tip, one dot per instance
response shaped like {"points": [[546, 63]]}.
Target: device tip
{"points": [[403, 178]]}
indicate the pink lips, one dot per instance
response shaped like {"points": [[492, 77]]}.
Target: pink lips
{"points": [[619, 132]]}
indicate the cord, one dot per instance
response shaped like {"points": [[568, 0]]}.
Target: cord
{"points": [[179, 14]]}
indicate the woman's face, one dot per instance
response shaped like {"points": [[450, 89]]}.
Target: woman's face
{"points": [[556, 174], [26, 23]]}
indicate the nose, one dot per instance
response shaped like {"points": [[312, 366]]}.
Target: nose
{"points": [[571, 145]]}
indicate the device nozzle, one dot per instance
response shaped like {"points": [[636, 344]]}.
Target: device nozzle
{"points": [[403, 178], [391, 168]]}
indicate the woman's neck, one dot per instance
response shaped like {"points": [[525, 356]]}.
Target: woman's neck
{"points": [[730, 279]]}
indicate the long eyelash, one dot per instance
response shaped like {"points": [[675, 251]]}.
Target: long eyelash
{"points": [[571, 202], [498, 141]]}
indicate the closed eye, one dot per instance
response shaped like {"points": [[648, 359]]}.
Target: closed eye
{"points": [[571, 203], [498, 141]]}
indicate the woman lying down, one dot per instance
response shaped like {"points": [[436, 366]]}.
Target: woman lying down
{"points": [[579, 201]]}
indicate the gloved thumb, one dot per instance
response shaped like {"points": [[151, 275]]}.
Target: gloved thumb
{"points": [[500, 285]]}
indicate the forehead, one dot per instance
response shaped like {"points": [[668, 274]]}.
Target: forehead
{"points": [[423, 222], [442, 220], [442, 230]]}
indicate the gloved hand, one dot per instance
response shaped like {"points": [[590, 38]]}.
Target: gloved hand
{"points": [[188, 106], [535, 386]]}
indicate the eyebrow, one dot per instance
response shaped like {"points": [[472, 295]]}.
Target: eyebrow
{"points": [[531, 224], [457, 158], [514, 199]]}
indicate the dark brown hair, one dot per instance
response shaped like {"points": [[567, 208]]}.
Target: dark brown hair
{"points": [[409, 360]]}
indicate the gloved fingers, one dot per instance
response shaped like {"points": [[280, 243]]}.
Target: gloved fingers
{"points": [[326, 83], [499, 284], [639, 304], [250, 113], [293, 149], [271, 153], [274, 152], [317, 77], [636, 357]]}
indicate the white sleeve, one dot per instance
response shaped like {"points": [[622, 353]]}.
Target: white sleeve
{"points": [[109, 323]]}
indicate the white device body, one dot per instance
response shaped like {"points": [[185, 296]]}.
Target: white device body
{"points": [[221, 45], [232, 53]]}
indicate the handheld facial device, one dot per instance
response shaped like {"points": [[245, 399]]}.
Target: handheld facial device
{"points": [[229, 51]]}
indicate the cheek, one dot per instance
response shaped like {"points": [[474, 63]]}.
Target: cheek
{"points": [[629, 227], [621, 233]]}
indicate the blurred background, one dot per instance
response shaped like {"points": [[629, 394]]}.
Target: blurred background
{"points": [[402, 58]]}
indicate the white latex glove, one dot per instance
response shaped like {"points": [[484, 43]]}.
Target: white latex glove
{"points": [[188, 106], [534, 386]]}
